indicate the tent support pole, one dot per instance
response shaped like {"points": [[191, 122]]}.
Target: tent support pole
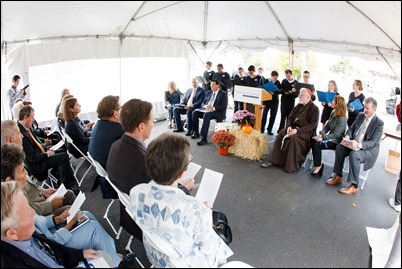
{"points": [[385, 59], [291, 53]]}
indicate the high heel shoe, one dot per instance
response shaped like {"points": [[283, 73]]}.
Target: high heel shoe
{"points": [[319, 171]]}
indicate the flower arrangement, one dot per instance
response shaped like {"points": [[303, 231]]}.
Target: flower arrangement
{"points": [[243, 117], [223, 139]]}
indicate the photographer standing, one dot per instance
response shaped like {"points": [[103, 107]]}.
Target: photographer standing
{"points": [[13, 94]]}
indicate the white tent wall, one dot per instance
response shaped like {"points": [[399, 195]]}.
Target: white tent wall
{"points": [[59, 51]]}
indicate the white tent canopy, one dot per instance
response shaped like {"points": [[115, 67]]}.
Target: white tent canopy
{"points": [[45, 32]]}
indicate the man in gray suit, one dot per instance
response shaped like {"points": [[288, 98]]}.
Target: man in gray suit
{"points": [[361, 144]]}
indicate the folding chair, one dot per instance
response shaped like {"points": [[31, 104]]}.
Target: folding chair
{"points": [[102, 172], [52, 179], [123, 197], [82, 158], [345, 166]]}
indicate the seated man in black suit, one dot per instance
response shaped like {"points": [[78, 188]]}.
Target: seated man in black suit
{"points": [[361, 144], [38, 158], [21, 246], [213, 107], [191, 101], [126, 161]]}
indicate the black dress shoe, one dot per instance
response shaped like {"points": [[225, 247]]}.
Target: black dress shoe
{"points": [[195, 136], [76, 191], [128, 261], [266, 164], [188, 134], [319, 171], [202, 142], [178, 131], [270, 133]]}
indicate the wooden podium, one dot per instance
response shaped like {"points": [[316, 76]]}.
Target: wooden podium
{"points": [[254, 96]]}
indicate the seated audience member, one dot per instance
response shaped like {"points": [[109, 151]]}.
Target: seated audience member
{"points": [[125, 163], [361, 144], [213, 107], [331, 134], [11, 154], [60, 119], [72, 125], [293, 143], [187, 224], [42, 134], [90, 235], [39, 160], [137, 120], [64, 92], [172, 97], [106, 131], [21, 246], [191, 101]]}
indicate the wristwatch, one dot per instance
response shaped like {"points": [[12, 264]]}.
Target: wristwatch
{"points": [[213, 108]]}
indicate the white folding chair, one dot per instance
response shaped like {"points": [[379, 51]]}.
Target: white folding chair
{"points": [[82, 159], [102, 172], [123, 197], [52, 179], [345, 166]]}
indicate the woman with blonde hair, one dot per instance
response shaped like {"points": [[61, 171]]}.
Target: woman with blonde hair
{"points": [[172, 97], [327, 107], [330, 135]]}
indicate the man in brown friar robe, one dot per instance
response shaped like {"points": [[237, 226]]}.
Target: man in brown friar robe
{"points": [[293, 143]]}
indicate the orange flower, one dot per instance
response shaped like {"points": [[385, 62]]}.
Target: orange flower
{"points": [[223, 139]]}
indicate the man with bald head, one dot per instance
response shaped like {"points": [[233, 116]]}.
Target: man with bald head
{"points": [[191, 101], [293, 142]]}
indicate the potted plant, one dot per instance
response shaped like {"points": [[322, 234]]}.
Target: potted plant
{"points": [[243, 117], [223, 139]]}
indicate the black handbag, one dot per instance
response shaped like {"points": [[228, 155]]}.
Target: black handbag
{"points": [[221, 226]]}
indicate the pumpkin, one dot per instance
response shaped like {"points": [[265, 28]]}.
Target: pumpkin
{"points": [[247, 129]]}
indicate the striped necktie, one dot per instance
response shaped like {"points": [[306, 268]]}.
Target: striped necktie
{"points": [[362, 130], [36, 141]]}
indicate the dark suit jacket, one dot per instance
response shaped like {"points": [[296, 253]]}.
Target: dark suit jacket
{"points": [[12, 257], [371, 139], [34, 158], [126, 169], [220, 104], [104, 134], [73, 129], [198, 98]]}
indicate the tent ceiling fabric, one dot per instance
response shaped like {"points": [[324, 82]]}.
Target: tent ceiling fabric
{"points": [[340, 27]]}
